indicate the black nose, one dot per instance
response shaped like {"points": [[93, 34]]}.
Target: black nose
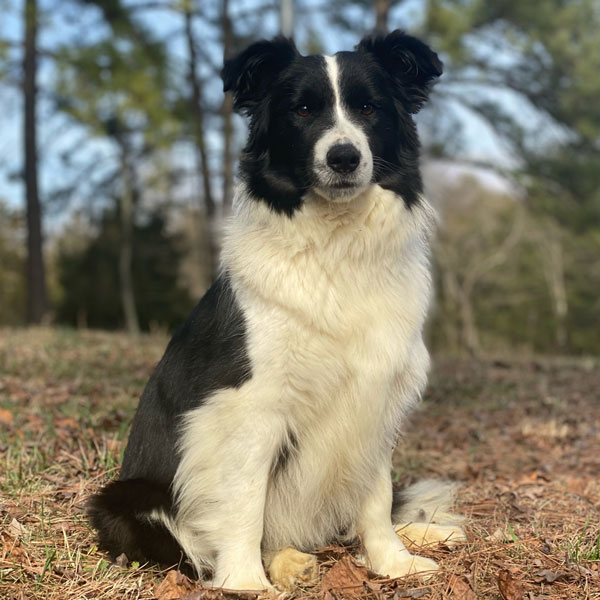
{"points": [[343, 158]]}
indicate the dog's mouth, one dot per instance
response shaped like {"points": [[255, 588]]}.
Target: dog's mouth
{"points": [[344, 185], [327, 180], [340, 190]]}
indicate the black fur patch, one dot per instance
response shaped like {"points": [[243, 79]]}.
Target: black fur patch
{"points": [[207, 353], [119, 513], [276, 163]]}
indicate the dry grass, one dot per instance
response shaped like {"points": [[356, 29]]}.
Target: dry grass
{"points": [[522, 437]]}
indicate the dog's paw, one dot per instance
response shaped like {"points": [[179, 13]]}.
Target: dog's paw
{"points": [[256, 583], [422, 534], [290, 568], [423, 567]]}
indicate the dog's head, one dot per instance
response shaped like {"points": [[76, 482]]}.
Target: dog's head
{"points": [[331, 124]]}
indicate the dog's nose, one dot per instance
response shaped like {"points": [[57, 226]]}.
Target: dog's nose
{"points": [[343, 158]]}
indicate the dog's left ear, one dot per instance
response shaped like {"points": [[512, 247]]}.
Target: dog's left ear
{"points": [[412, 64]]}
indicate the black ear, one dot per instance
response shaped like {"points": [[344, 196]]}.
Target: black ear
{"points": [[249, 74], [412, 64]]}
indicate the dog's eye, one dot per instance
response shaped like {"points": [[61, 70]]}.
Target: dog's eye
{"points": [[302, 110], [367, 109]]}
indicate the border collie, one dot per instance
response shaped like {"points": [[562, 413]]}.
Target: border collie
{"points": [[267, 428]]}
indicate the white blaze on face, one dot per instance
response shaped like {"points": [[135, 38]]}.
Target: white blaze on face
{"points": [[344, 131]]}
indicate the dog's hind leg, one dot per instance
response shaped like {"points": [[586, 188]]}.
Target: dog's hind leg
{"points": [[221, 487]]}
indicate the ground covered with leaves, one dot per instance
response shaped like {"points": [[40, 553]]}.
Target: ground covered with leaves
{"points": [[521, 437]]}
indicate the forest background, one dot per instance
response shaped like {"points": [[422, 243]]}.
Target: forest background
{"points": [[118, 156]]}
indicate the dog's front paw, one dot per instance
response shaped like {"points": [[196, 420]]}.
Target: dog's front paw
{"points": [[291, 568], [240, 582], [410, 565]]}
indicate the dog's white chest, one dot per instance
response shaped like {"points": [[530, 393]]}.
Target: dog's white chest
{"points": [[334, 299], [335, 288]]}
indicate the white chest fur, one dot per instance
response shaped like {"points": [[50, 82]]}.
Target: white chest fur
{"points": [[334, 301], [334, 268]]}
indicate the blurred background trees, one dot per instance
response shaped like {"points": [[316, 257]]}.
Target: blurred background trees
{"points": [[136, 145]]}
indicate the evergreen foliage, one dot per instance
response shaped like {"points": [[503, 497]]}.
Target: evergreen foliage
{"points": [[89, 278]]}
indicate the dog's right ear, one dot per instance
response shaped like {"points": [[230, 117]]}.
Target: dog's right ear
{"points": [[413, 65], [249, 74]]}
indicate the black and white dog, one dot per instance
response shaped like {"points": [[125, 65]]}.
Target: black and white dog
{"points": [[267, 428]]}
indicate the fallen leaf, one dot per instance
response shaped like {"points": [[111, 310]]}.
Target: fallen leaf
{"points": [[460, 588], [577, 485], [16, 529], [510, 588], [174, 585], [10, 546], [65, 427], [582, 571], [345, 575], [497, 536], [6, 417], [549, 576]]}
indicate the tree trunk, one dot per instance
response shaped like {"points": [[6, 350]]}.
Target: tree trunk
{"points": [[227, 112], [286, 17], [382, 11], [37, 299], [197, 113], [126, 248], [470, 333], [450, 308], [554, 273]]}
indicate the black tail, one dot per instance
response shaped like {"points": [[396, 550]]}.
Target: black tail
{"points": [[119, 512]]}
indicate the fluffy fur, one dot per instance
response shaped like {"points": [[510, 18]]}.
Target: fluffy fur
{"points": [[267, 428]]}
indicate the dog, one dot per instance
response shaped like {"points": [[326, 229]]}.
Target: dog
{"points": [[267, 428]]}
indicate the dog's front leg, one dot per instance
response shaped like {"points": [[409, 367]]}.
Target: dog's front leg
{"points": [[386, 554], [222, 486]]}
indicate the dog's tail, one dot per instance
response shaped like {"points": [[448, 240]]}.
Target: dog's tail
{"points": [[130, 518], [427, 501]]}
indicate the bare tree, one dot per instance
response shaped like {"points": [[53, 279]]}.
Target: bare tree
{"points": [[286, 17], [227, 113], [551, 253], [468, 254], [37, 299], [126, 247], [198, 117], [382, 11]]}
